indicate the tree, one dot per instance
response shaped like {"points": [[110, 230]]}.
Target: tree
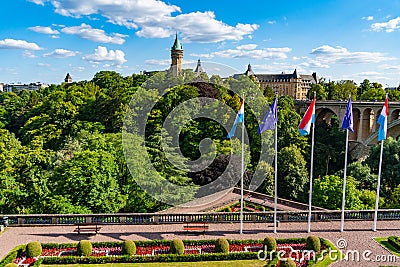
{"points": [[343, 89], [88, 180], [292, 175], [364, 87], [318, 90], [390, 165], [328, 191]]}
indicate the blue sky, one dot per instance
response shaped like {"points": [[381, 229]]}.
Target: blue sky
{"points": [[42, 40]]}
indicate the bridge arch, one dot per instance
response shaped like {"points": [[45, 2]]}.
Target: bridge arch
{"points": [[393, 131], [367, 123], [395, 115], [324, 115]]}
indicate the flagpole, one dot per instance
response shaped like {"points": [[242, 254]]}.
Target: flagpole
{"points": [[344, 180], [378, 188], [241, 180], [311, 178], [276, 170]]}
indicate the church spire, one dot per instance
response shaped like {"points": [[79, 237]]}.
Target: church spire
{"points": [[177, 44]]}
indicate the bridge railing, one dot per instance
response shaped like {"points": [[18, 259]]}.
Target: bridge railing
{"points": [[215, 217]]}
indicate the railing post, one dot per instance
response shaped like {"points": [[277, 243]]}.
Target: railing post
{"points": [[156, 219], [88, 219]]}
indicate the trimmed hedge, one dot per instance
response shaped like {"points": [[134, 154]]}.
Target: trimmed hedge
{"points": [[128, 248], [221, 245], [313, 243], [157, 258], [11, 265], [33, 249], [394, 241], [84, 248], [12, 255], [288, 263], [177, 247], [270, 243]]}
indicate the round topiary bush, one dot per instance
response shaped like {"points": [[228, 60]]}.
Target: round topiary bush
{"points": [[221, 245], [11, 265], [270, 243], [177, 247], [84, 248], [287, 263], [313, 243], [128, 248], [33, 249]]}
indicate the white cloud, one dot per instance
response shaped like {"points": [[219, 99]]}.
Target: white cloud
{"points": [[61, 53], [247, 47], [43, 64], [265, 53], [249, 51], [271, 22], [390, 26], [101, 54], [45, 30], [208, 56], [368, 18], [86, 31], [158, 62], [38, 2], [277, 67], [155, 19], [326, 54], [28, 54], [18, 44]]}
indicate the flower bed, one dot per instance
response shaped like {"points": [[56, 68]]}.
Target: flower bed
{"points": [[155, 251]]}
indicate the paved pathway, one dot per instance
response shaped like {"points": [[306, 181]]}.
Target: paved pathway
{"points": [[357, 235]]}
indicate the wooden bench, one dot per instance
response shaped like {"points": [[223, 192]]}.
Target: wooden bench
{"points": [[87, 229], [195, 227]]}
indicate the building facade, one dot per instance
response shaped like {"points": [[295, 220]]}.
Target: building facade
{"points": [[294, 84], [19, 87]]}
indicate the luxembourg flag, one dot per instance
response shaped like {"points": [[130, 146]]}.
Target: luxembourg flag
{"points": [[308, 119], [382, 120], [239, 118]]}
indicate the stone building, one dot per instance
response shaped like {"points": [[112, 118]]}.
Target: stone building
{"points": [[294, 84]]}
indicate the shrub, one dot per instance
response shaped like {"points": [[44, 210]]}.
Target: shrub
{"points": [[84, 248], [394, 241], [33, 249], [288, 263], [270, 243], [221, 245], [176, 247], [313, 243], [11, 265], [128, 248]]}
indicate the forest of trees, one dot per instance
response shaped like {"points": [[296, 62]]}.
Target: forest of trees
{"points": [[61, 148]]}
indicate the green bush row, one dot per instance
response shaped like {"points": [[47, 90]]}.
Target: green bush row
{"points": [[12, 255], [157, 258], [394, 241], [168, 242]]}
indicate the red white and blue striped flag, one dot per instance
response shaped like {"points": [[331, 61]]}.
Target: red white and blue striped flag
{"points": [[382, 120], [308, 119], [239, 118]]}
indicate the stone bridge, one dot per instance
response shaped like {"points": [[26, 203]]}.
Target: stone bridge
{"points": [[365, 116]]}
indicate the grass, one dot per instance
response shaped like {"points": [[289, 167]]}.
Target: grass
{"points": [[236, 263], [385, 243]]}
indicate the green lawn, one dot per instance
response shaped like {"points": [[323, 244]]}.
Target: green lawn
{"points": [[238, 263], [385, 243]]}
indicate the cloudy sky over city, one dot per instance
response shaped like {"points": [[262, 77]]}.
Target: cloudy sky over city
{"points": [[42, 40]]}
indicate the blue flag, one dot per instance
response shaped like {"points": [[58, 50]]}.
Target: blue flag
{"points": [[239, 118], [347, 122], [270, 119]]}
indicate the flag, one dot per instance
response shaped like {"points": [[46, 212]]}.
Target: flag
{"points": [[239, 118], [308, 119], [347, 122], [270, 119], [382, 120]]}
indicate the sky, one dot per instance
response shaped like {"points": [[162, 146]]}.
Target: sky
{"points": [[43, 40]]}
